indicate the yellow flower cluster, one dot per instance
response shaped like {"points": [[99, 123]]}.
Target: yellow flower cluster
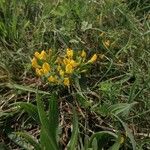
{"points": [[61, 70]]}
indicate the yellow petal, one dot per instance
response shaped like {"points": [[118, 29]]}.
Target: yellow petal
{"points": [[61, 72], [83, 54], [66, 81], [35, 63], [73, 63], [37, 55], [39, 72], [51, 79], [93, 59], [66, 61], [69, 69], [43, 55], [69, 53], [46, 68]]}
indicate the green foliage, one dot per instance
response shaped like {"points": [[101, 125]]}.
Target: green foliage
{"points": [[112, 100], [74, 137], [49, 125], [30, 109]]}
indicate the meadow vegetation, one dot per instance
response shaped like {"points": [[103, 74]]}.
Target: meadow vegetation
{"points": [[75, 75]]}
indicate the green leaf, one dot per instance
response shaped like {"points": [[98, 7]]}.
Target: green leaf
{"points": [[29, 139], [45, 144], [100, 135], [26, 88], [117, 144], [45, 125], [30, 109], [3, 114], [3, 146], [83, 101], [74, 137], [121, 108], [53, 115], [105, 86], [128, 133], [19, 141]]}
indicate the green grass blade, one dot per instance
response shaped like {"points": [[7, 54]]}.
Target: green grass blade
{"points": [[19, 141], [53, 115], [121, 108], [26, 88], [128, 133], [117, 144], [74, 137], [28, 138], [45, 124], [45, 144], [100, 136], [30, 109]]}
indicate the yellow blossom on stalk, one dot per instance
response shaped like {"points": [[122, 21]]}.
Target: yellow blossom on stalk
{"points": [[35, 63], [52, 79], [83, 54], [46, 68], [93, 58], [69, 53], [61, 72], [37, 54], [41, 56], [63, 65], [66, 81], [69, 69], [39, 72], [73, 63], [65, 61]]}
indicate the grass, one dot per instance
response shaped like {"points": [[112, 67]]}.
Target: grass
{"points": [[112, 98]]}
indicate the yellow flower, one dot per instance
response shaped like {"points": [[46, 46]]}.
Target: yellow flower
{"points": [[106, 43], [66, 61], [69, 69], [41, 56], [93, 58], [61, 72], [37, 54], [83, 54], [39, 72], [34, 63], [69, 53], [66, 81], [46, 68], [73, 63], [52, 79]]}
